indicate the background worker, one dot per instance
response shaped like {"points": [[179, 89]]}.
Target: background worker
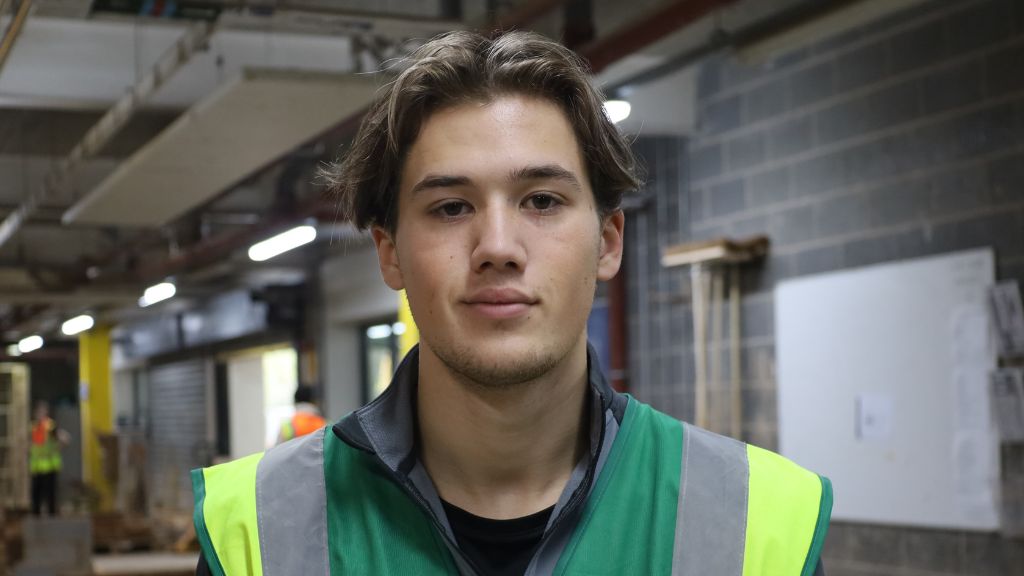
{"points": [[44, 459], [307, 417]]}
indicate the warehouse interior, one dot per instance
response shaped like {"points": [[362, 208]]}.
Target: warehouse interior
{"points": [[824, 260]]}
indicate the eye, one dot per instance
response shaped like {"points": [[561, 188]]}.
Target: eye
{"points": [[542, 202], [452, 209]]}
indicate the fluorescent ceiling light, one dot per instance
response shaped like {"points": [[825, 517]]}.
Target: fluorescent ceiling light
{"points": [[29, 344], [281, 243], [77, 324], [378, 332], [617, 110], [157, 293], [13, 350], [398, 328]]}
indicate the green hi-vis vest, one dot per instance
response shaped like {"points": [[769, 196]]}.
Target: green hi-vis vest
{"points": [[670, 499], [44, 453]]}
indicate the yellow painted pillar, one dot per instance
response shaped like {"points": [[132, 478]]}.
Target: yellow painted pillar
{"points": [[96, 399], [411, 336]]}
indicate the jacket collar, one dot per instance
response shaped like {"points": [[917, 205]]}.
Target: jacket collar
{"points": [[387, 426]]}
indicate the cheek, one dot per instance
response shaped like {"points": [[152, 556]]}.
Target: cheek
{"points": [[428, 275], [575, 259]]}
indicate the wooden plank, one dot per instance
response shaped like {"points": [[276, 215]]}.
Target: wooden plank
{"points": [[145, 563], [719, 250]]}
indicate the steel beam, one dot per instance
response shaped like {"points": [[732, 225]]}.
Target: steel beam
{"points": [[82, 297], [650, 28]]}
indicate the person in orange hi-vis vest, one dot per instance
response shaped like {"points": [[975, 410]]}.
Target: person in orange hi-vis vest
{"points": [[44, 459], [307, 418]]}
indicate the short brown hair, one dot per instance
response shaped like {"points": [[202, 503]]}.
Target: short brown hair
{"points": [[462, 67]]}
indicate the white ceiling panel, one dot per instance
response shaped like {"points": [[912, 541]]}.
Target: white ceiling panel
{"points": [[246, 124], [232, 51], [80, 63], [59, 63]]}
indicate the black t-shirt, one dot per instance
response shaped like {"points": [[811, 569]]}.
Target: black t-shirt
{"points": [[498, 547]]}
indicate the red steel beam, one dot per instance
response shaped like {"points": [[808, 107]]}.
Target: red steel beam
{"points": [[647, 30], [525, 14]]}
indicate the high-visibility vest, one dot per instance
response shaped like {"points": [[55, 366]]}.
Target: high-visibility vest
{"points": [[44, 453], [670, 499], [300, 424]]}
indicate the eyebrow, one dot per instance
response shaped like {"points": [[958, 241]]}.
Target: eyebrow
{"points": [[541, 172], [545, 172], [439, 181]]}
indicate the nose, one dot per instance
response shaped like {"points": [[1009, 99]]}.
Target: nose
{"points": [[499, 242]]}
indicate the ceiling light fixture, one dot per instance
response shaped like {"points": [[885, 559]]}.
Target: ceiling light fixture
{"points": [[26, 345], [378, 332], [157, 293], [77, 324], [282, 243], [617, 110]]}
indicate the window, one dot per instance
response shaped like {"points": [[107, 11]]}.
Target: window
{"points": [[380, 356]]}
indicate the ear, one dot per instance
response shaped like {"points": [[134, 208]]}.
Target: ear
{"points": [[610, 256], [387, 256]]}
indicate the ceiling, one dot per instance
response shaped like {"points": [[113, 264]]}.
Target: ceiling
{"points": [[219, 147]]}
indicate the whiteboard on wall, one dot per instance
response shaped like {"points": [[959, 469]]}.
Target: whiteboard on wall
{"points": [[882, 378]]}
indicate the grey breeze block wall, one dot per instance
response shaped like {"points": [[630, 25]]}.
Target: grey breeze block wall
{"points": [[900, 139]]}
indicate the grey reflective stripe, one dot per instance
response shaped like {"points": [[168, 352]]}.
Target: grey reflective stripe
{"points": [[291, 507], [711, 518]]}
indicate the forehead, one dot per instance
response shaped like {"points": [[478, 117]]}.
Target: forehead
{"points": [[506, 133]]}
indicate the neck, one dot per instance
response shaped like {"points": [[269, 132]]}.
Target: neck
{"points": [[506, 452]]}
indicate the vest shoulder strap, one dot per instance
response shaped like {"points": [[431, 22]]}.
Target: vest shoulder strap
{"points": [[762, 513], [788, 512], [700, 503], [225, 516], [265, 513]]}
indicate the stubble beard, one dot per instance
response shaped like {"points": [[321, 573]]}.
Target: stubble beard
{"points": [[497, 373]]}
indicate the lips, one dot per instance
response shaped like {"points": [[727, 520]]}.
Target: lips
{"points": [[500, 303]]}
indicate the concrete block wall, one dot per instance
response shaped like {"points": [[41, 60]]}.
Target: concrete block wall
{"points": [[900, 139]]}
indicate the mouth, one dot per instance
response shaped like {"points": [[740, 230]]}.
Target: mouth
{"points": [[500, 303]]}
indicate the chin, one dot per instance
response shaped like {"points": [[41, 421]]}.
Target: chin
{"points": [[501, 362]]}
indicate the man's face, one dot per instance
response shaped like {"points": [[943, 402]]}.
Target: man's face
{"points": [[499, 244]]}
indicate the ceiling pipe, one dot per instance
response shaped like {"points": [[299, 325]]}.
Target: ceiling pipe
{"points": [[451, 11], [46, 354], [80, 297]]}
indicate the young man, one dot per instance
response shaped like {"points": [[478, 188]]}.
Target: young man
{"points": [[491, 180]]}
